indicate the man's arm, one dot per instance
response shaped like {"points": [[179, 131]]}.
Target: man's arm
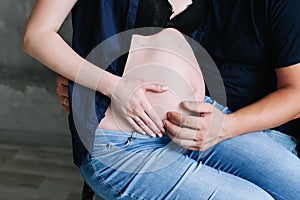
{"points": [[271, 111], [275, 109], [212, 126]]}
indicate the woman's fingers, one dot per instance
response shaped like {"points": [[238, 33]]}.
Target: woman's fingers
{"points": [[129, 100], [140, 122], [149, 116], [148, 122], [139, 114], [156, 88], [157, 121], [151, 122], [135, 125]]}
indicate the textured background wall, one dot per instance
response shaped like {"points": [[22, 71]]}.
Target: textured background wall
{"points": [[27, 100], [13, 16], [35, 144]]}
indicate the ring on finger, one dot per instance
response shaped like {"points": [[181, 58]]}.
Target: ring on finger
{"points": [[139, 121]]}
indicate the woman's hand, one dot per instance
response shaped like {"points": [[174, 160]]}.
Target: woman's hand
{"points": [[130, 103], [197, 132], [62, 92]]}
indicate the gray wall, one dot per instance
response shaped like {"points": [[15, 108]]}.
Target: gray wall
{"points": [[13, 17], [35, 144], [27, 89]]}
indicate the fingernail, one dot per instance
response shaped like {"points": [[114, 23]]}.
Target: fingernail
{"points": [[164, 87], [163, 130], [159, 135]]}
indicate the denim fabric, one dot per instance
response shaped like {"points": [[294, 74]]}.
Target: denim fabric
{"points": [[287, 141], [129, 165]]}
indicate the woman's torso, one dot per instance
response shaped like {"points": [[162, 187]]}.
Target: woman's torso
{"points": [[164, 58]]}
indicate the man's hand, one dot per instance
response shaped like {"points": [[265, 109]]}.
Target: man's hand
{"points": [[197, 132], [62, 92]]}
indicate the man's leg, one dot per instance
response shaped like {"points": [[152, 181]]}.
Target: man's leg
{"points": [[287, 141], [259, 159]]}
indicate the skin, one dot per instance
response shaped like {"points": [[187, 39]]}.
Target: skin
{"points": [[211, 126], [62, 93], [45, 20]]}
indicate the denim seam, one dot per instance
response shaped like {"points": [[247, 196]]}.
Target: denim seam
{"points": [[100, 179]]}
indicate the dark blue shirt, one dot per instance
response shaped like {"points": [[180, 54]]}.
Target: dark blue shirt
{"points": [[248, 40]]}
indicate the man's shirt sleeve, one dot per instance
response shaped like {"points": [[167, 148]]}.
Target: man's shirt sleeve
{"points": [[284, 35]]}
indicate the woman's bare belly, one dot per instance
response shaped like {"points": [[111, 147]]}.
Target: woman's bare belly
{"points": [[164, 58]]}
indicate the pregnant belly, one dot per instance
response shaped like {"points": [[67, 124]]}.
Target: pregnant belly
{"points": [[164, 58]]}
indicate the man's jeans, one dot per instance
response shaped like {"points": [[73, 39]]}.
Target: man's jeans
{"points": [[128, 165]]}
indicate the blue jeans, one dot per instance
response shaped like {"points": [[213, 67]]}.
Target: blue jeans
{"points": [[128, 165]]}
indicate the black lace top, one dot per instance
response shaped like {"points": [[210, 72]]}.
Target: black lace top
{"points": [[156, 13]]}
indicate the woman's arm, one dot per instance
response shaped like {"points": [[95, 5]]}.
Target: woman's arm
{"points": [[42, 41]]}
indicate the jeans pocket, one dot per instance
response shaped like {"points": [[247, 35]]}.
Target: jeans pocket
{"points": [[105, 145]]}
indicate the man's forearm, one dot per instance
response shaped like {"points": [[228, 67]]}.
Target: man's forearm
{"points": [[275, 109]]}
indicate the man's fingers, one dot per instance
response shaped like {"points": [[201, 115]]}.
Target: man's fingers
{"points": [[180, 133], [66, 109], [183, 143], [188, 138], [66, 101], [196, 106], [62, 90], [61, 80], [186, 143], [185, 120]]}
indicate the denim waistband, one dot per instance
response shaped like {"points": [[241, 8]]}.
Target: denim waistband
{"points": [[132, 134], [222, 108]]}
